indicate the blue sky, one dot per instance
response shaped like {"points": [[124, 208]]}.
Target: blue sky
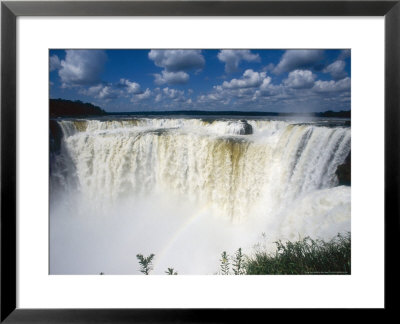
{"points": [[164, 80]]}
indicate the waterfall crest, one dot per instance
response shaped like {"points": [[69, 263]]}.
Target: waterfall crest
{"points": [[205, 162]]}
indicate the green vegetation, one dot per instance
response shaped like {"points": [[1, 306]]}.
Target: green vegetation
{"points": [[336, 114], [171, 272], [145, 263], [224, 267], [69, 108], [306, 256], [238, 263]]}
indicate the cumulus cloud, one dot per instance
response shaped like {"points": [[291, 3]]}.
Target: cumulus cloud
{"points": [[54, 63], [143, 96], [332, 86], [158, 97], [101, 91], [269, 68], [300, 79], [232, 58], [129, 87], [266, 83], [214, 96], [344, 54], [250, 79], [336, 69], [171, 77], [81, 67], [177, 60], [245, 90], [214, 99], [267, 89], [175, 63], [243, 93], [297, 59], [176, 95], [124, 88]]}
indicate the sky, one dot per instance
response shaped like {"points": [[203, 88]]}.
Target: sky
{"points": [[295, 80]]}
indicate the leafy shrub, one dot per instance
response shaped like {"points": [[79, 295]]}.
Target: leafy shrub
{"points": [[238, 263], [171, 271], [224, 266], [306, 256], [145, 263]]}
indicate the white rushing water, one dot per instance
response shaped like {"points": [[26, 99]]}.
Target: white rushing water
{"points": [[187, 189]]}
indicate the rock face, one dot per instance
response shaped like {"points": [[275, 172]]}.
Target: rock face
{"points": [[246, 129], [343, 172], [55, 136]]}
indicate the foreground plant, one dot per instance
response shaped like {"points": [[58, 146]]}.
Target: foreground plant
{"points": [[238, 263], [145, 263], [224, 267], [306, 256], [171, 271]]}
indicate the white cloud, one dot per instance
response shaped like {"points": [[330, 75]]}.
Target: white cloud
{"points": [[81, 67], [177, 60], [243, 92], [295, 59], [158, 97], [175, 63], [336, 69], [171, 77], [269, 67], [130, 87], [251, 86], [108, 93], [54, 63], [300, 79], [250, 79], [210, 97], [101, 91], [143, 96], [344, 54], [268, 90], [124, 88], [176, 95], [266, 83], [332, 86], [232, 58]]}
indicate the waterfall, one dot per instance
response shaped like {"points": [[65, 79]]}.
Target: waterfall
{"points": [[276, 173]]}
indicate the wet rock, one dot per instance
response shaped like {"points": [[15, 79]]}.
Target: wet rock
{"points": [[343, 172], [246, 128], [55, 136]]}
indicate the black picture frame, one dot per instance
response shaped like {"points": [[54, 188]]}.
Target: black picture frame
{"points": [[9, 13]]}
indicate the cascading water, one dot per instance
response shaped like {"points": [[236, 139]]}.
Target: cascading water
{"points": [[187, 189]]}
